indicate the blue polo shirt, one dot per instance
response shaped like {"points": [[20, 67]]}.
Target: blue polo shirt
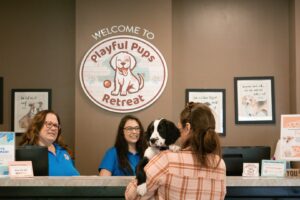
{"points": [[110, 162], [61, 164]]}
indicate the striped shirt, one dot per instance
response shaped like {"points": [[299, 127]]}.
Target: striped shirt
{"points": [[175, 175]]}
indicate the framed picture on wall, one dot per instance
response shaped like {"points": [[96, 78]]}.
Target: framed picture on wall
{"points": [[1, 100], [254, 100], [25, 104], [215, 99]]}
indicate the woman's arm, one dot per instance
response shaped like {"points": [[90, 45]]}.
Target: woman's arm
{"points": [[155, 171], [104, 172], [108, 163], [130, 192]]}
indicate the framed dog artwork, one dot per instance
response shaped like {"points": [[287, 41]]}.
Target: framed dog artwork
{"points": [[25, 104], [254, 100], [215, 99]]}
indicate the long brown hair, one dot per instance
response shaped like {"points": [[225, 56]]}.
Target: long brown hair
{"points": [[204, 140], [185, 117], [31, 136], [122, 146]]}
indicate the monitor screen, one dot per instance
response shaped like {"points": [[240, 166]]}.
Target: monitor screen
{"points": [[37, 154], [235, 156], [234, 164]]}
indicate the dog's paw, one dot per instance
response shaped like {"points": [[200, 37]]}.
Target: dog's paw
{"points": [[174, 148], [142, 189]]}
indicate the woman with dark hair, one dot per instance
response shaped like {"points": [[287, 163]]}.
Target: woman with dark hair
{"points": [[195, 172], [122, 159], [45, 130]]}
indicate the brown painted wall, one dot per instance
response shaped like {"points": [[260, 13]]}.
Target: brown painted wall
{"points": [[38, 51], [94, 125], [205, 43], [297, 55], [214, 41], [292, 58]]}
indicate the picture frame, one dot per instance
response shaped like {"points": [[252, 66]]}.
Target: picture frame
{"points": [[1, 100], [25, 104], [216, 100], [254, 100]]}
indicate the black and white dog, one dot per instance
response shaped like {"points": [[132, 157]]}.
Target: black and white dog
{"points": [[161, 134]]}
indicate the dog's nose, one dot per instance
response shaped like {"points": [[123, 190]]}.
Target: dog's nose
{"points": [[123, 63], [153, 140]]}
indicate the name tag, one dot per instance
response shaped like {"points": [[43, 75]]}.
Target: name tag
{"points": [[20, 169]]}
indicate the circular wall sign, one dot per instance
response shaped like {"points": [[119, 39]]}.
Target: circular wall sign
{"points": [[123, 74]]}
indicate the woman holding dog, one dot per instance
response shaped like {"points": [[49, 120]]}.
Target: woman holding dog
{"points": [[122, 159], [45, 130], [195, 172]]}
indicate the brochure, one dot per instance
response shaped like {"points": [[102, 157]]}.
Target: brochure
{"points": [[7, 151], [290, 138]]}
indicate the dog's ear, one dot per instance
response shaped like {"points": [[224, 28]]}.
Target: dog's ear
{"points": [[172, 132], [149, 131], [132, 61], [113, 61]]}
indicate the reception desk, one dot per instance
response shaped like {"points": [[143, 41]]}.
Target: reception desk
{"points": [[95, 187]]}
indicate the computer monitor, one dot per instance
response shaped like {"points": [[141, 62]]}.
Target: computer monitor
{"points": [[38, 155], [235, 156], [234, 164]]}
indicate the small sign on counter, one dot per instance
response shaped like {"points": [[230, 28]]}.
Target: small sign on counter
{"points": [[251, 169], [293, 172], [273, 168], [20, 169]]}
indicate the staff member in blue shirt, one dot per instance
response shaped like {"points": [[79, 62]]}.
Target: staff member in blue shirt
{"points": [[122, 159], [45, 130]]}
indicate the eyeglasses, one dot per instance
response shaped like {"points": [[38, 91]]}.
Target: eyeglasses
{"points": [[131, 129], [50, 125]]}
